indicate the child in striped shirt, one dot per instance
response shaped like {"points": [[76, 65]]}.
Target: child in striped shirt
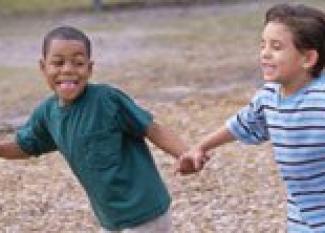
{"points": [[289, 111]]}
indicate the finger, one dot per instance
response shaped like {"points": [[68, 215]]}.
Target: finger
{"points": [[186, 166], [205, 159], [181, 167], [198, 164], [177, 168]]}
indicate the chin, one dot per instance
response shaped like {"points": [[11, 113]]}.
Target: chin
{"points": [[67, 99], [267, 78]]}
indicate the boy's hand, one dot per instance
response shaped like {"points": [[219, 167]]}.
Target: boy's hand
{"points": [[191, 162]]}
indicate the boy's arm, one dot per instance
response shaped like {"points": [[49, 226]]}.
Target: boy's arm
{"points": [[11, 150], [218, 138], [166, 140], [194, 160]]}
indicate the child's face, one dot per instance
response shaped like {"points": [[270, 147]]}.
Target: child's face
{"points": [[280, 60], [67, 68]]}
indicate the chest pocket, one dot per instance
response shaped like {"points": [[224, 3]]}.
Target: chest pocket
{"points": [[102, 149]]}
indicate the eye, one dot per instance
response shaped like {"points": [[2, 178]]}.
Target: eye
{"points": [[276, 45], [57, 62], [79, 61], [262, 44]]}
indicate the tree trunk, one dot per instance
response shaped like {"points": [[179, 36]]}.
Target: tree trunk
{"points": [[98, 5]]}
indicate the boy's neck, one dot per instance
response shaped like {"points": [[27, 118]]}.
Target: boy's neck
{"points": [[291, 88], [62, 103]]}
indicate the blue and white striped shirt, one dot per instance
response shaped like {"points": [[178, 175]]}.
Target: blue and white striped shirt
{"points": [[296, 127]]}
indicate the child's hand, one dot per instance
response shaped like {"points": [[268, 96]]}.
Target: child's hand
{"points": [[191, 162]]}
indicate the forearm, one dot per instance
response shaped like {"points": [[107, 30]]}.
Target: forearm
{"points": [[11, 150], [218, 138], [166, 140]]}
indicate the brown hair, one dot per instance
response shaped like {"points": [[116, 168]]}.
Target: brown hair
{"points": [[307, 26]]}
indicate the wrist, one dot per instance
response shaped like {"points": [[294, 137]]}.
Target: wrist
{"points": [[201, 147]]}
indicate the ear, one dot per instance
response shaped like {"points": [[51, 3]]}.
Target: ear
{"points": [[42, 65], [90, 68], [310, 58]]}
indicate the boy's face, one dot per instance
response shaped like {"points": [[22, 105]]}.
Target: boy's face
{"points": [[67, 68], [281, 61]]}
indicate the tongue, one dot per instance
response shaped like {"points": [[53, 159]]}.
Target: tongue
{"points": [[67, 85]]}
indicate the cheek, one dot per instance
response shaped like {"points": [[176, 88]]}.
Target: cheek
{"points": [[49, 72], [50, 83], [285, 60], [294, 62], [291, 68], [85, 74]]}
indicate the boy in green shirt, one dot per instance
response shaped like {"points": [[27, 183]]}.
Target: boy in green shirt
{"points": [[101, 133]]}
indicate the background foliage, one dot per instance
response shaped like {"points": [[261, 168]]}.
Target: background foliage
{"points": [[32, 6]]}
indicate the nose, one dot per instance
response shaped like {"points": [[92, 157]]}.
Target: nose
{"points": [[67, 67], [265, 52]]}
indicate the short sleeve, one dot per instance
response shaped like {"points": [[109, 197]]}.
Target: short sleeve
{"points": [[33, 137], [249, 124], [132, 118]]}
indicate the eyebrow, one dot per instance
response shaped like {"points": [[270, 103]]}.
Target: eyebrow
{"points": [[276, 41], [74, 55], [272, 40]]}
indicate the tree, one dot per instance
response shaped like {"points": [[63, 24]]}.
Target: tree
{"points": [[97, 5]]}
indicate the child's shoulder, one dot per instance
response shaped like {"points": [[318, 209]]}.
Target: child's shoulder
{"points": [[47, 102], [105, 89], [107, 92], [266, 94], [267, 90], [270, 88], [318, 83]]}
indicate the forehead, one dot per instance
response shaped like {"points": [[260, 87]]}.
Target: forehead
{"points": [[63, 47], [277, 31]]}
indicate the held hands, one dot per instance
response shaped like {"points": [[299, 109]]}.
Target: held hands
{"points": [[191, 161]]}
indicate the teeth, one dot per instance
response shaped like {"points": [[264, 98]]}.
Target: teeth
{"points": [[267, 68], [67, 85], [67, 81]]}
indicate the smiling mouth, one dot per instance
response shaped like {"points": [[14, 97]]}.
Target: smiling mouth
{"points": [[67, 84], [268, 67], [66, 81]]}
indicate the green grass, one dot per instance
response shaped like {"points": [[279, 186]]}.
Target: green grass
{"points": [[36, 6], [32, 6], [18, 6]]}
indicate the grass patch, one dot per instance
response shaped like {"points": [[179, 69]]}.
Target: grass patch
{"points": [[18, 6], [36, 6], [32, 6]]}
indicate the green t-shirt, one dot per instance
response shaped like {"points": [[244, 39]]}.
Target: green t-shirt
{"points": [[101, 135]]}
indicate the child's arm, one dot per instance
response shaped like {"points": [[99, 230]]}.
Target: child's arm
{"points": [[218, 138], [248, 125], [195, 159], [11, 150], [166, 140]]}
